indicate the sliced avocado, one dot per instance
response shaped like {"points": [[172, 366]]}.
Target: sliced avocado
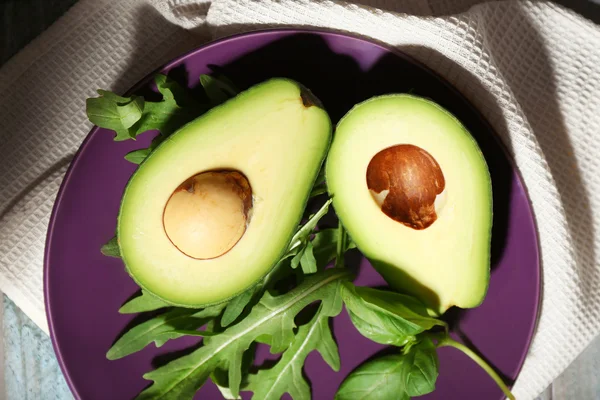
{"points": [[213, 208], [413, 189]]}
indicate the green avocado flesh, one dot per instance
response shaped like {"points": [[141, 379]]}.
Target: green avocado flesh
{"points": [[444, 257], [277, 137]]}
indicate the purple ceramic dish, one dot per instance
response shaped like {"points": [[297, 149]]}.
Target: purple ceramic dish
{"points": [[84, 289]]}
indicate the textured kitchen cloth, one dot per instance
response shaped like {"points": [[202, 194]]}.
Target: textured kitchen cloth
{"points": [[532, 68]]}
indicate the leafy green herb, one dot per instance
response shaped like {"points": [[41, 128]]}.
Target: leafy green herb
{"points": [[395, 376], [302, 236], [271, 321], [115, 113], [218, 89], [341, 245], [378, 379], [236, 306], [132, 116], [220, 377], [318, 190], [320, 187], [143, 303], [419, 368], [174, 334], [308, 261], [160, 329], [391, 318], [325, 245], [286, 376], [137, 156], [401, 305], [396, 325], [169, 114], [111, 248]]}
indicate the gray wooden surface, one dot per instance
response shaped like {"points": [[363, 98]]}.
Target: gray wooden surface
{"points": [[21, 21]]}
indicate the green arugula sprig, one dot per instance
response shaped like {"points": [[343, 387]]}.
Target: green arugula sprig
{"points": [[271, 321], [172, 324], [131, 116], [395, 376], [286, 376], [144, 302], [111, 248]]}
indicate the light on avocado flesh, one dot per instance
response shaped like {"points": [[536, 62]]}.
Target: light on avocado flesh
{"points": [[405, 181], [202, 248], [207, 214], [412, 188]]}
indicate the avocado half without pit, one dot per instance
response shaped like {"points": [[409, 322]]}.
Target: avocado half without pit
{"points": [[213, 208], [413, 190]]}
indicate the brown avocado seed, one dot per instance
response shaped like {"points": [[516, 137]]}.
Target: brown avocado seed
{"points": [[405, 180], [208, 213]]}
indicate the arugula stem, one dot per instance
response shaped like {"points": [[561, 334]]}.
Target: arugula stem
{"points": [[448, 342], [318, 190], [341, 246]]}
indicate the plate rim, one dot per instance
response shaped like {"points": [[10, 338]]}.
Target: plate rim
{"points": [[274, 31]]}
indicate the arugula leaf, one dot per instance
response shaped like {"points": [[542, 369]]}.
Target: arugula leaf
{"points": [[419, 369], [342, 237], [174, 334], [167, 115], [308, 260], [111, 248], [302, 236], [318, 190], [145, 302], [325, 245], [286, 376], [115, 112], [160, 329], [396, 326], [218, 89], [320, 187], [137, 156], [378, 379], [131, 116], [220, 377], [271, 320], [236, 306], [296, 259]]}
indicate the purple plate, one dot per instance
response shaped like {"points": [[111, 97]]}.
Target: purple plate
{"points": [[84, 289]]}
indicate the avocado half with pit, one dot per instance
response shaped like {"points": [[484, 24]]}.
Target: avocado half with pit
{"points": [[213, 208], [413, 190]]}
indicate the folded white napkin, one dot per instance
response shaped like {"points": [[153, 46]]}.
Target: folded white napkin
{"points": [[535, 62]]}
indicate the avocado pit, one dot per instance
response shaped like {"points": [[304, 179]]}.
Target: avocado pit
{"points": [[208, 213], [405, 181]]}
